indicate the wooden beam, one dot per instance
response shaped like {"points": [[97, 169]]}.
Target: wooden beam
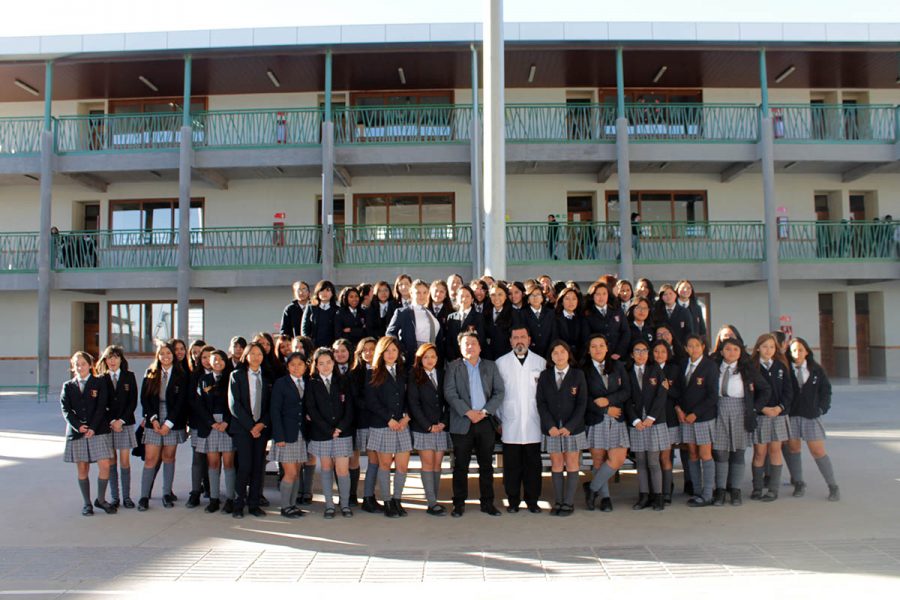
{"points": [[606, 172], [211, 176], [734, 170], [343, 174], [860, 171], [89, 181]]}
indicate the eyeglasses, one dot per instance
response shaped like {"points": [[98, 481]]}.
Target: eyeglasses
{"points": [[639, 351]]}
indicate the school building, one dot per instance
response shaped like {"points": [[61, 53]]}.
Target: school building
{"points": [[140, 172]]}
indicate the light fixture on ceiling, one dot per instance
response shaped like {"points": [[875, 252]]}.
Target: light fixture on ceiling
{"points": [[663, 165], [531, 73], [148, 83], [402, 75], [271, 75], [785, 74], [790, 165], [660, 73], [22, 85]]}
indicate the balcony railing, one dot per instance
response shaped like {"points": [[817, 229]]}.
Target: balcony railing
{"points": [[570, 242], [121, 132], [831, 241], [835, 123], [256, 247], [692, 122], [259, 128], [20, 135], [19, 252], [557, 123], [418, 124], [119, 250], [439, 243]]}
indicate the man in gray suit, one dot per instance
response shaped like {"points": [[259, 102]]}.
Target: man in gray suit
{"points": [[474, 390]]}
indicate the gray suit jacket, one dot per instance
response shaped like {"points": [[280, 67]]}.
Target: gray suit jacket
{"points": [[456, 392]]}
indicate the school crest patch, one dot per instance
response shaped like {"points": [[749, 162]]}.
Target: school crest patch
{"points": [[699, 381], [93, 393], [574, 391], [653, 381]]}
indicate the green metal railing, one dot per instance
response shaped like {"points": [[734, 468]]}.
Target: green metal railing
{"points": [[259, 128], [19, 252], [570, 242], [119, 250], [692, 122], [575, 123], [256, 247], [833, 123], [120, 132], [809, 241], [425, 123], [699, 241], [20, 135], [439, 243]]}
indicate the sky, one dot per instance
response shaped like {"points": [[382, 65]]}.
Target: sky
{"points": [[61, 17]]}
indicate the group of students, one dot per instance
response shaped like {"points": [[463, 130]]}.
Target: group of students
{"points": [[384, 370]]}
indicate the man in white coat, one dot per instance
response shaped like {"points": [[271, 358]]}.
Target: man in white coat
{"points": [[520, 422]]}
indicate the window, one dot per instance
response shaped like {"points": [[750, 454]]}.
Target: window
{"points": [[405, 209], [152, 221], [682, 206], [388, 117], [653, 96], [136, 325], [154, 105]]}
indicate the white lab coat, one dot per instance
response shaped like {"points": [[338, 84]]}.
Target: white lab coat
{"points": [[519, 414]]}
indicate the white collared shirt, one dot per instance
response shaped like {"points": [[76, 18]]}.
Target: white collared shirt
{"points": [[298, 383], [735, 382], [804, 371], [601, 309], [568, 315], [692, 366], [557, 372], [422, 317]]}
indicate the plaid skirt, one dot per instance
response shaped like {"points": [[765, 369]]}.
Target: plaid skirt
{"points": [[730, 434], [291, 453], [802, 428], [216, 441], [89, 450], [439, 442], [173, 438], [361, 439], [333, 448], [125, 439], [771, 429], [559, 444], [700, 433], [675, 435], [608, 434], [387, 441], [652, 439]]}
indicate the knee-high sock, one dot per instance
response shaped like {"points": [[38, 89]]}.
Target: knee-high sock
{"points": [[826, 469], [774, 478], [101, 489], [572, 478], [736, 467], [114, 482], [126, 482], [287, 487], [371, 480], [767, 466], [85, 486], [685, 457], [428, 486], [168, 477], [384, 484], [643, 473], [147, 477], [399, 482], [196, 472], [721, 458], [437, 484], [214, 479], [295, 489], [558, 486], [327, 476], [655, 473], [229, 483], [344, 490], [354, 481], [309, 471], [794, 462], [693, 468], [709, 477], [667, 481], [759, 473], [600, 483]]}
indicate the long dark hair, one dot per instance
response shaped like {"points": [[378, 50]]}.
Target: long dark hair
{"points": [[717, 343], [323, 285], [358, 362], [102, 368], [743, 361], [565, 292], [609, 363], [379, 369], [559, 344], [810, 357], [418, 370], [153, 374]]}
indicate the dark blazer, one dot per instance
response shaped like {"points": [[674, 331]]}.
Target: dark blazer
{"points": [[617, 392], [176, 400], [212, 400], [292, 319], [386, 401], [756, 392], [672, 372], [287, 410], [646, 333], [814, 398], [474, 321], [681, 322], [345, 319], [496, 334], [574, 332], [542, 329], [122, 400], [239, 402], [614, 326], [700, 394], [329, 411], [86, 407], [782, 386], [563, 407], [375, 325], [403, 327], [456, 392], [426, 403], [359, 380], [698, 323], [318, 325], [649, 400]]}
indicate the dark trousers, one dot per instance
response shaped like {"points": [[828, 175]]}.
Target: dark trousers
{"points": [[522, 468], [251, 468], [480, 440]]}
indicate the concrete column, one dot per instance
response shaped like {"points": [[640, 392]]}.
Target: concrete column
{"points": [[626, 255], [767, 164], [328, 269], [475, 172], [845, 356], [185, 160], [494, 142], [45, 241]]}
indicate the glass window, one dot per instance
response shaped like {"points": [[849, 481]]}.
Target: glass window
{"points": [[404, 209], [137, 325], [152, 221]]}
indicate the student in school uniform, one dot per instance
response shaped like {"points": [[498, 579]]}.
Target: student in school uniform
{"points": [[403, 292], [389, 434], [562, 402], [292, 317], [83, 400], [439, 302], [381, 311], [480, 290], [772, 421], [741, 389], [454, 282], [199, 469], [249, 395], [414, 325], [624, 293], [122, 397], [288, 415], [812, 399], [236, 350], [359, 380], [329, 406], [664, 358], [664, 332], [318, 317], [646, 412], [164, 399], [603, 315], [430, 421], [212, 421], [466, 318], [181, 354], [668, 311], [498, 323], [343, 358], [270, 364], [687, 299], [727, 331], [283, 349], [516, 291], [640, 320], [540, 321], [644, 289], [571, 325], [350, 321]]}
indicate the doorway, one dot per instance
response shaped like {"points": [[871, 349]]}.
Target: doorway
{"points": [[863, 336], [582, 238], [826, 334], [91, 328]]}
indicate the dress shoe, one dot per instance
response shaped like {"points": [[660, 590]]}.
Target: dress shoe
{"points": [[105, 506], [399, 508], [354, 501], [237, 513], [436, 510], [658, 502], [534, 509], [642, 503], [557, 508], [143, 504], [688, 488], [390, 511], [718, 498], [590, 499], [605, 505], [213, 506], [193, 500], [698, 502], [174, 497], [128, 503], [736, 499], [228, 507], [346, 512], [770, 496], [566, 510], [512, 509], [329, 513], [306, 499], [756, 495], [115, 503], [490, 509], [458, 511], [834, 493], [263, 501], [667, 498], [291, 512], [370, 505], [256, 511], [169, 500], [799, 489], [87, 510]]}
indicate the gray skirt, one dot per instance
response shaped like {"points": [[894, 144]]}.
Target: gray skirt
{"points": [[652, 439], [675, 435], [387, 441], [338, 447], [89, 450], [173, 438], [608, 434], [292, 452], [438, 442], [216, 441], [802, 428], [361, 439], [125, 439], [700, 433], [730, 433], [771, 429], [568, 443]]}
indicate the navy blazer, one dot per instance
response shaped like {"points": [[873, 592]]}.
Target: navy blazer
{"points": [[542, 329], [318, 325], [565, 406], [698, 323], [426, 403], [345, 319], [474, 321], [212, 399], [375, 325], [814, 398], [757, 392], [387, 401], [496, 334], [122, 398], [176, 400], [87, 407], [239, 402], [646, 333], [681, 322], [328, 411], [359, 379], [782, 386], [617, 392], [614, 326], [574, 332], [403, 327], [699, 395], [672, 372], [648, 400], [292, 319]]}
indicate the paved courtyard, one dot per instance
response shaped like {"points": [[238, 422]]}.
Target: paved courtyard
{"points": [[791, 548]]}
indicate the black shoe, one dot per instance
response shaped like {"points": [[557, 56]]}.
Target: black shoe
{"points": [[698, 502], [306, 499], [143, 504], [193, 500], [256, 512], [766, 480], [436, 510], [834, 493], [87, 511], [105, 506], [370, 505], [354, 501], [770, 496], [390, 510], [291, 512], [329, 513], [565, 510], [659, 502], [736, 499], [756, 495], [399, 508], [689, 488], [799, 489], [490, 509], [718, 498], [606, 505], [590, 498], [128, 503], [115, 503], [512, 509], [667, 498], [174, 497], [263, 501], [534, 509], [213, 506], [642, 503], [228, 507], [556, 510], [458, 511], [169, 500], [346, 512], [237, 513]]}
